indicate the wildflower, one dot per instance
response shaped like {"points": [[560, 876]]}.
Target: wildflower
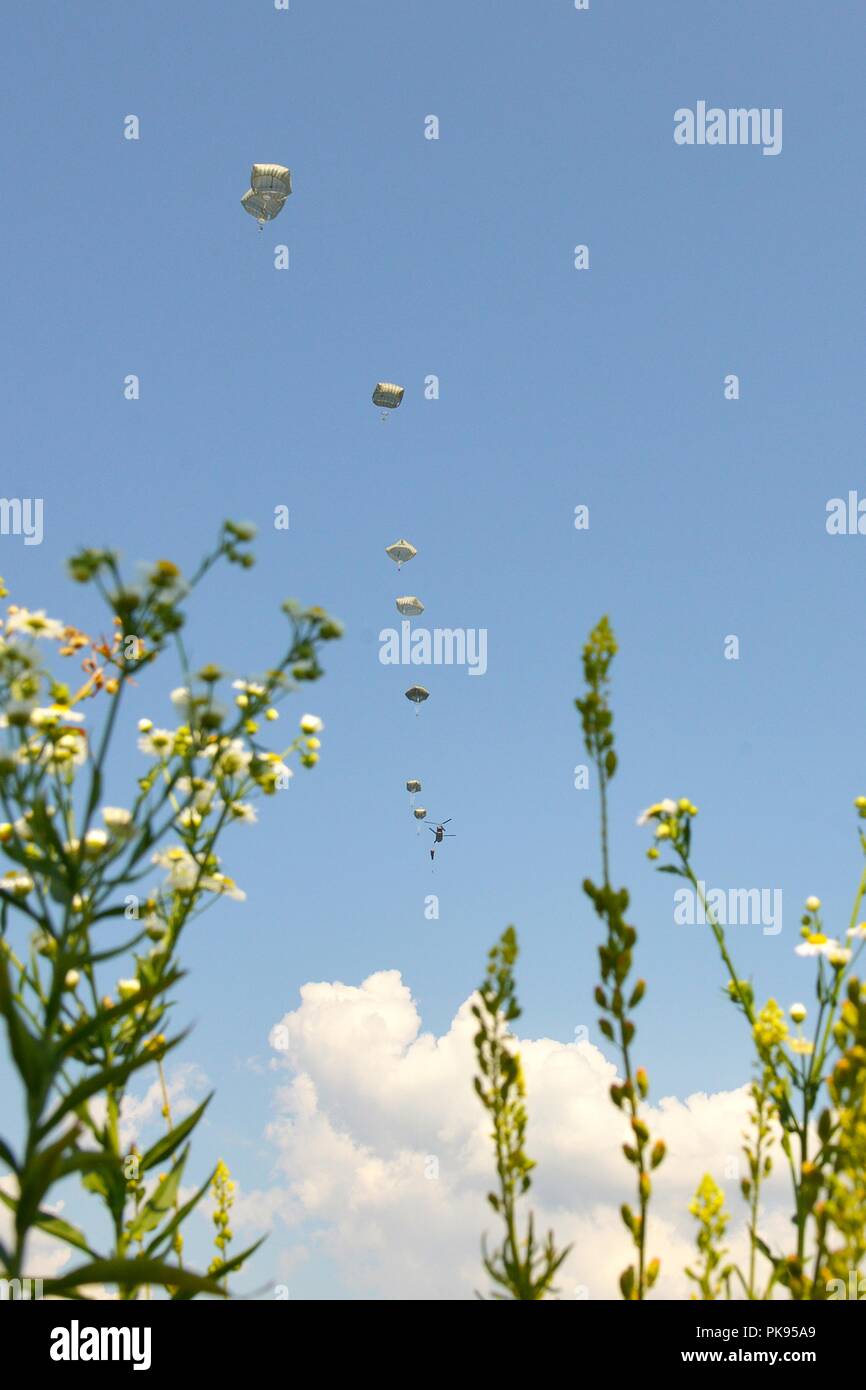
{"points": [[313, 743], [813, 904], [659, 808], [857, 933], [17, 882], [271, 714], [225, 886], [180, 697], [798, 1012], [127, 989], [309, 759], [71, 979], [33, 624], [182, 868], [95, 841], [53, 715], [117, 818], [145, 726], [243, 811], [232, 758], [249, 688], [652, 852], [157, 744], [663, 832], [311, 724], [801, 1046], [200, 789], [770, 1027], [838, 955], [815, 944]]}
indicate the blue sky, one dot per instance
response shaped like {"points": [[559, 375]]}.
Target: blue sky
{"points": [[454, 257]]}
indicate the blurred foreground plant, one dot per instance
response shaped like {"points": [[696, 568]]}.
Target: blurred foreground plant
{"points": [[521, 1268], [76, 1043]]}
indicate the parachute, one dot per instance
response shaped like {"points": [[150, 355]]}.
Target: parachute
{"points": [[413, 786], [388, 395], [409, 606], [270, 186], [417, 694], [419, 813], [400, 552]]}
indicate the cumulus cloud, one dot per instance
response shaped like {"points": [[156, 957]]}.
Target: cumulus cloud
{"points": [[382, 1152]]}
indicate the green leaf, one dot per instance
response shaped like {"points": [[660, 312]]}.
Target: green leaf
{"points": [[163, 1237], [53, 1226], [38, 1175], [160, 1201], [7, 1156], [164, 1147], [95, 1022], [131, 1274], [230, 1265], [107, 1077], [29, 1057]]}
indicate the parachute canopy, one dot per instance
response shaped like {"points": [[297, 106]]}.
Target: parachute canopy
{"points": [[409, 606], [417, 694], [420, 813], [388, 395], [413, 786], [401, 551], [270, 186]]}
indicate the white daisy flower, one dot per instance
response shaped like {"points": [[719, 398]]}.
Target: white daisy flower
{"points": [[34, 624], [225, 886], [50, 716], [817, 945], [156, 744], [659, 808]]}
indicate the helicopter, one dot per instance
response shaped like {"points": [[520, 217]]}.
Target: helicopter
{"points": [[439, 834]]}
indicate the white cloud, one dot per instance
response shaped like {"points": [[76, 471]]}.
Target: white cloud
{"points": [[373, 1106]]}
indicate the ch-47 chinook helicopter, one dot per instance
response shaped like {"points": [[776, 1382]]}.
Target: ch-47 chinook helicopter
{"points": [[439, 834]]}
